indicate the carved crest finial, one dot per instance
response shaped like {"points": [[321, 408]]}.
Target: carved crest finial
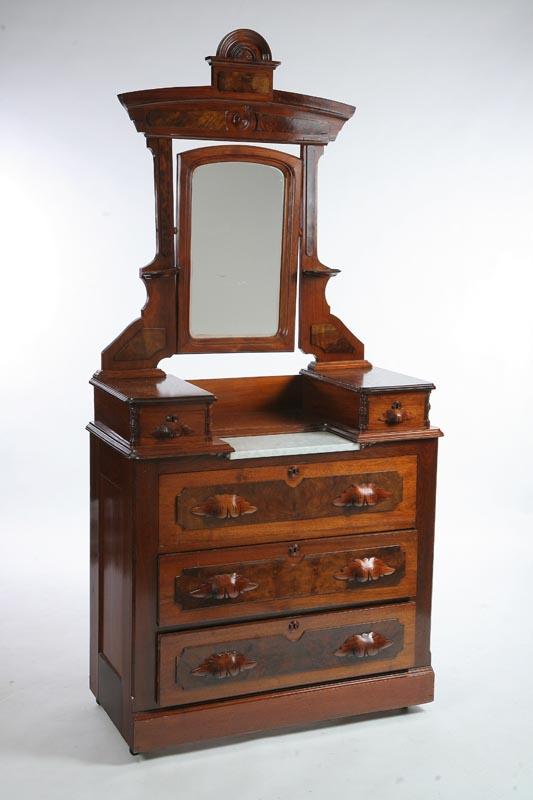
{"points": [[244, 45]]}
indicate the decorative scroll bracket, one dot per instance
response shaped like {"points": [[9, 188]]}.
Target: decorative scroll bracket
{"points": [[140, 347], [321, 333]]}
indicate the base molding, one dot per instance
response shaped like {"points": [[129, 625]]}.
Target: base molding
{"points": [[172, 728]]}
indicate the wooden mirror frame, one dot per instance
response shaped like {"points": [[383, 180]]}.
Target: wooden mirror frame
{"points": [[240, 105], [291, 168]]}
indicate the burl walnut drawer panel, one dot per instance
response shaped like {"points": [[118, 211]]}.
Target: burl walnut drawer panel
{"points": [[261, 656], [207, 586], [247, 505], [394, 411]]}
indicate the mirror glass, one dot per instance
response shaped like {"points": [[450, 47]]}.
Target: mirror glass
{"points": [[236, 241]]}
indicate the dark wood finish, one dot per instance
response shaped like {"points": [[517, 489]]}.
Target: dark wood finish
{"points": [[240, 583], [242, 106], [279, 710], [408, 409], [287, 507], [258, 594], [261, 656], [320, 332], [243, 64], [155, 416], [111, 584], [147, 340], [290, 167]]}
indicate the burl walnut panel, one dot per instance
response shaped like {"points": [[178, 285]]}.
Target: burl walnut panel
{"points": [[242, 506], [245, 582], [254, 657]]}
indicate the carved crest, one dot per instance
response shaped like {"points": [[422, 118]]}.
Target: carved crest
{"points": [[224, 506], [224, 665], [226, 586], [363, 644], [365, 569], [361, 494]]}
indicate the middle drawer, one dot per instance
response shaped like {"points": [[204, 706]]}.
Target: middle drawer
{"points": [[246, 582]]}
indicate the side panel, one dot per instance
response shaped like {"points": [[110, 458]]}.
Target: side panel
{"points": [[111, 583]]}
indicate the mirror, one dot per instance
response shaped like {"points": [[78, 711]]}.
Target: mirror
{"points": [[238, 225], [236, 237]]}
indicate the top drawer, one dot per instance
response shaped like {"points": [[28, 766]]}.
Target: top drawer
{"points": [[243, 506]]}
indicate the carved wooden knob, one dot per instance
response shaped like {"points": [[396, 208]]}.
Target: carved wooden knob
{"points": [[164, 432], [293, 472], [394, 415], [293, 625], [172, 430], [293, 549]]}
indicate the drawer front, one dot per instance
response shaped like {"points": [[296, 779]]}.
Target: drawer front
{"points": [[172, 423], [397, 411], [255, 657], [241, 506], [239, 583]]}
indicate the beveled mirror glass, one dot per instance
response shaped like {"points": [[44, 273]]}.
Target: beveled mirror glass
{"points": [[238, 222], [236, 237]]}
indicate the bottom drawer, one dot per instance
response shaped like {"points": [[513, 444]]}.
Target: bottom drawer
{"points": [[261, 656]]}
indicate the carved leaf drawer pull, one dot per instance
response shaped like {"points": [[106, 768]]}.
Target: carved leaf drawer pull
{"points": [[226, 586], [224, 506], [365, 569], [224, 665], [394, 415], [363, 644], [361, 494]]}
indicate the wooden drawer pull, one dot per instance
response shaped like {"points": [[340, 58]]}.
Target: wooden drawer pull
{"points": [[224, 506], [363, 644], [365, 569], [172, 431], [394, 415], [361, 494], [224, 665], [226, 586]]}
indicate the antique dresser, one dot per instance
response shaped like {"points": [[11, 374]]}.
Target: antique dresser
{"points": [[261, 548]]}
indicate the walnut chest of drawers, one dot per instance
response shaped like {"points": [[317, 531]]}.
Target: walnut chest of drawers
{"points": [[235, 596]]}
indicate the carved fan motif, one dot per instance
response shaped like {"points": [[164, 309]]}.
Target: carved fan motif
{"points": [[363, 644], [361, 494], [224, 665], [224, 506], [226, 586], [365, 569]]}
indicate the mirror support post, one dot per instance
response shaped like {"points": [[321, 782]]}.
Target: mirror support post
{"points": [[320, 332], [152, 337]]}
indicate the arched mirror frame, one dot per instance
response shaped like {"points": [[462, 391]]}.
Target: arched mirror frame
{"points": [[240, 105], [291, 169]]}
